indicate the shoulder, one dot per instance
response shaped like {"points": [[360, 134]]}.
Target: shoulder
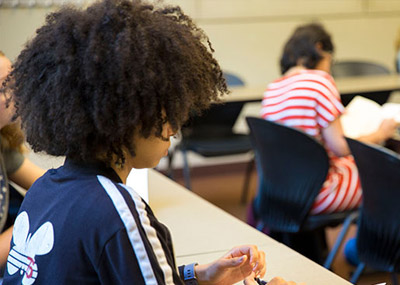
{"points": [[12, 159], [321, 81], [306, 75]]}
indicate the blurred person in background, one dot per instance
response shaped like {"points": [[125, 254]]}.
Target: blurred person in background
{"points": [[306, 98], [13, 165]]}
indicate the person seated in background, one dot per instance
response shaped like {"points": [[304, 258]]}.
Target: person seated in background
{"points": [[306, 98], [107, 87], [13, 165]]}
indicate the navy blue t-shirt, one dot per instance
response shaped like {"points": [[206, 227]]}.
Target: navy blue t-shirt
{"points": [[79, 224]]}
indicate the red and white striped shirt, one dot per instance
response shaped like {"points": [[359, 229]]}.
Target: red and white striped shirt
{"points": [[309, 100]]}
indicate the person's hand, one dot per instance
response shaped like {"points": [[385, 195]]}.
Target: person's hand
{"points": [[274, 281], [239, 263], [387, 129]]}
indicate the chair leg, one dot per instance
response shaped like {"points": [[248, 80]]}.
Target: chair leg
{"points": [[394, 278], [332, 254], [186, 170], [245, 191], [357, 273]]}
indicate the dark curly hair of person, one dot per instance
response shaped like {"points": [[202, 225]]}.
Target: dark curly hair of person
{"points": [[92, 78], [302, 45]]}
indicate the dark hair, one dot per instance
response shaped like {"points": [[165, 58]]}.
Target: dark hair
{"points": [[92, 78], [302, 46], [12, 137]]}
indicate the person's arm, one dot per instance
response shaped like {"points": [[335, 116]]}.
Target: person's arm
{"points": [[26, 174], [386, 130], [5, 240], [334, 138]]}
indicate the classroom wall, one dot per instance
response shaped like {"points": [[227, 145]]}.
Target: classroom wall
{"points": [[248, 35]]}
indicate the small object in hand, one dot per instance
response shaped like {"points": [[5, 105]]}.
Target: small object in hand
{"points": [[259, 281]]}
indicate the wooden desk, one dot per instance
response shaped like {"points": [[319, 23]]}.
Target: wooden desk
{"points": [[368, 84], [348, 85], [245, 94], [202, 233], [284, 262], [197, 226]]}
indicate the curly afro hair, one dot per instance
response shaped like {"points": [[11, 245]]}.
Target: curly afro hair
{"points": [[92, 78]]}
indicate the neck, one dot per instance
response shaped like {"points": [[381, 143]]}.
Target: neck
{"points": [[122, 172], [294, 69]]}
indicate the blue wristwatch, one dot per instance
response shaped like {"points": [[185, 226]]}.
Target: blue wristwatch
{"points": [[189, 275]]}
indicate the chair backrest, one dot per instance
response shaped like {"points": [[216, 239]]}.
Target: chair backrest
{"points": [[357, 68], [397, 62], [361, 68], [378, 237], [217, 121], [292, 168]]}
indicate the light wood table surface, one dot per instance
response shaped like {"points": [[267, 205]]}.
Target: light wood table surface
{"points": [[202, 233]]}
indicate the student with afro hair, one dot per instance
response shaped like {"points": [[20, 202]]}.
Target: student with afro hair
{"points": [[107, 87]]}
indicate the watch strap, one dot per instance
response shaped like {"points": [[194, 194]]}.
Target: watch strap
{"points": [[189, 275]]}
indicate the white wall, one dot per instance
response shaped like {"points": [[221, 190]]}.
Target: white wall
{"points": [[248, 35]]}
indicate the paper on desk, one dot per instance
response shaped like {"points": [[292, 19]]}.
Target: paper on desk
{"points": [[363, 116], [251, 109], [138, 179]]}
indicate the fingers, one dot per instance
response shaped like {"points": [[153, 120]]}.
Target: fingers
{"points": [[230, 263], [256, 258], [250, 250], [250, 280], [237, 261], [261, 268], [389, 125]]}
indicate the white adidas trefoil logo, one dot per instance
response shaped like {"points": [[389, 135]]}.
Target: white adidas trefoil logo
{"points": [[27, 246]]}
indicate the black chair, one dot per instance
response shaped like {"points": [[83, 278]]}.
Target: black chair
{"points": [[361, 68], [232, 79], [292, 168], [378, 236], [210, 135], [397, 62]]}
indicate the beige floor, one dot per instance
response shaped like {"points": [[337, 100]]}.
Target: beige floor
{"points": [[223, 187]]}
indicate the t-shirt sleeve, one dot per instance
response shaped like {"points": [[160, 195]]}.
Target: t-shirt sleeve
{"points": [[12, 160], [329, 106], [123, 263], [118, 263]]}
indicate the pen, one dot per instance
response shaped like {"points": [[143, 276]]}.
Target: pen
{"points": [[259, 281]]}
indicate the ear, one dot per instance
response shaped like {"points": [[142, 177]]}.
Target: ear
{"points": [[318, 46]]}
